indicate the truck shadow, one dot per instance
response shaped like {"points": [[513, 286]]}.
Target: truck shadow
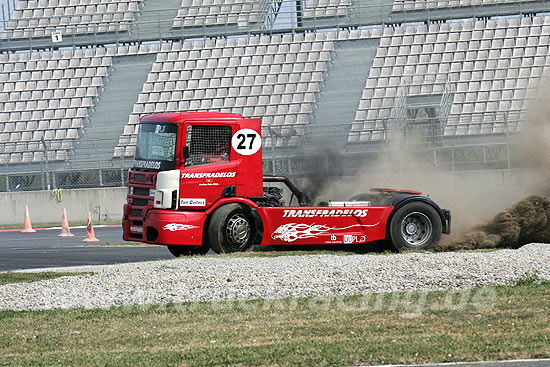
{"points": [[371, 247]]}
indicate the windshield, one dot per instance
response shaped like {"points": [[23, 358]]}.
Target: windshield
{"points": [[156, 146]]}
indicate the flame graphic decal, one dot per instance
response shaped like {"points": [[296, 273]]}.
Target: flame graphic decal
{"points": [[178, 227], [291, 232]]}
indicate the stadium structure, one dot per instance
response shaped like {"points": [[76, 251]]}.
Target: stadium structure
{"points": [[340, 79]]}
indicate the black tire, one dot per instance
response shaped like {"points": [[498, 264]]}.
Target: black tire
{"points": [[231, 229], [178, 251], [415, 226]]}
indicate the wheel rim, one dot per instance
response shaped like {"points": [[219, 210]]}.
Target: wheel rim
{"points": [[416, 229], [238, 231]]}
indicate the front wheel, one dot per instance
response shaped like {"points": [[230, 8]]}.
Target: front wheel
{"points": [[231, 229], [415, 226]]}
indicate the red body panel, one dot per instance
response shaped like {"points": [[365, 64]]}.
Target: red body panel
{"points": [[243, 172], [206, 182], [249, 167], [323, 225], [176, 227]]}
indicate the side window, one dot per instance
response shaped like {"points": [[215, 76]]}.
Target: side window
{"points": [[208, 144]]}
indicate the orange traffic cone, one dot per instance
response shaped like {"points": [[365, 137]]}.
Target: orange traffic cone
{"points": [[27, 226], [90, 235], [65, 231]]}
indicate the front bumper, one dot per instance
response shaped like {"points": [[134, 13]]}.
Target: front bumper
{"points": [[168, 227]]}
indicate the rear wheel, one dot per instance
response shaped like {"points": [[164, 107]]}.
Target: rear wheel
{"points": [[231, 229], [415, 226], [178, 251]]}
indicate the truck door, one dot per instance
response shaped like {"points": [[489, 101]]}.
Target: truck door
{"points": [[208, 169]]}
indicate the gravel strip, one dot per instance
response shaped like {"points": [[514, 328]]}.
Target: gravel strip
{"points": [[220, 278]]}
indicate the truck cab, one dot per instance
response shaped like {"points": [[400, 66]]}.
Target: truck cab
{"points": [[186, 162], [197, 184]]}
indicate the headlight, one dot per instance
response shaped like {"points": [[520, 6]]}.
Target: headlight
{"points": [[152, 192]]}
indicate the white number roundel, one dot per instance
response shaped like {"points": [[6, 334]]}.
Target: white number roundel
{"points": [[246, 141]]}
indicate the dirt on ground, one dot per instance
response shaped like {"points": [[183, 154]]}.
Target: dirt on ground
{"points": [[527, 221]]}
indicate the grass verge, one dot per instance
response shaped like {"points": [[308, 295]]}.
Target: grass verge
{"points": [[505, 322], [13, 277]]}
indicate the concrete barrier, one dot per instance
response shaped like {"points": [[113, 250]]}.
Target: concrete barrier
{"points": [[474, 190], [105, 204]]}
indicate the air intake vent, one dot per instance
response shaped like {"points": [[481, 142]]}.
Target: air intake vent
{"points": [[140, 202], [139, 178], [141, 191]]}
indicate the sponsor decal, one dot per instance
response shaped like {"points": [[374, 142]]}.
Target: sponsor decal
{"points": [[333, 237], [178, 227], [208, 174], [349, 239], [192, 202], [311, 213], [246, 142], [136, 229], [209, 182], [291, 232], [147, 164]]}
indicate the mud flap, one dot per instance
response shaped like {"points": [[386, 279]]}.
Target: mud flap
{"points": [[447, 221]]}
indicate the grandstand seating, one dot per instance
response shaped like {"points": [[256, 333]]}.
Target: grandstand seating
{"points": [[273, 77], [38, 18], [492, 67], [326, 8], [219, 12], [46, 97], [488, 68], [407, 5]]}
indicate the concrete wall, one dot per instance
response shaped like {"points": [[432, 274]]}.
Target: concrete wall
{"points": [[478, 190], [105, 204]]}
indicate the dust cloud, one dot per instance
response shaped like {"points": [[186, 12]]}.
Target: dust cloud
{"points": [[517, 197], [529, 219]]}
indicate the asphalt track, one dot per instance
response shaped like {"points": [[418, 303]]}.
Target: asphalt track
{"points": [[44, 249]]}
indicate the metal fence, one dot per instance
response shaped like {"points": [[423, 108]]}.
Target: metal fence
{"points": [[325, 152], [426, 148]]}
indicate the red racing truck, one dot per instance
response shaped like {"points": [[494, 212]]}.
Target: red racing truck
{"points": [[198, 184]]}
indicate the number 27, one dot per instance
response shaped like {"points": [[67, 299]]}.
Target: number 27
{"points": [[243, 139]]}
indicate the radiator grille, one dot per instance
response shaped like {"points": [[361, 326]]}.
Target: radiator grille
{"points": [[141, 191], [139, 178], [140, 202]]}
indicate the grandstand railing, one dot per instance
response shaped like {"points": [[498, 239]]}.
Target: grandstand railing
{"points": [[158, 25]]}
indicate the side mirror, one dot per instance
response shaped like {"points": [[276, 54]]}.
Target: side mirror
{"points": [[186, 153]]}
